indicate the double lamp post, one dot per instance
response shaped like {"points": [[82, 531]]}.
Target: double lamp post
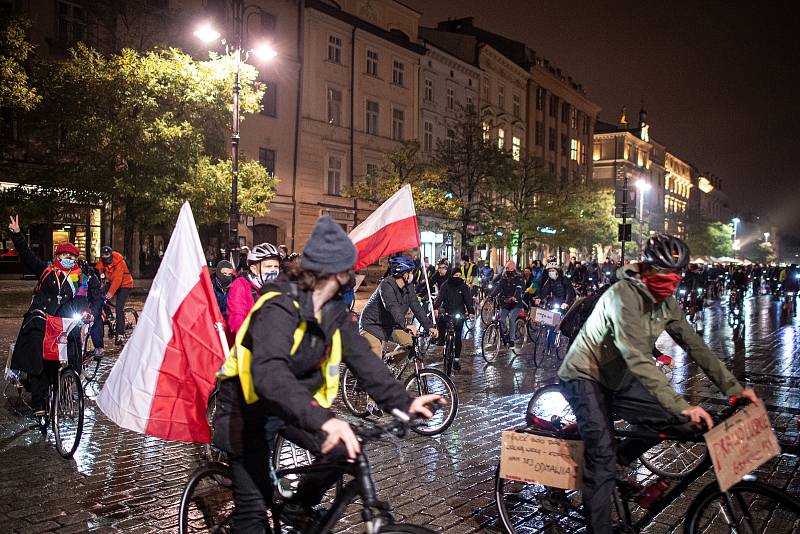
{"points": [[241, 14]]}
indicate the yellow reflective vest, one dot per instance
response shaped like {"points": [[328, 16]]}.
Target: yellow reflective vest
{"points": [[239, 360]]}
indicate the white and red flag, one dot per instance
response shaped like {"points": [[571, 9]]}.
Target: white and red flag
{"points": [[56, 332], [161, 382], [391, 228]]}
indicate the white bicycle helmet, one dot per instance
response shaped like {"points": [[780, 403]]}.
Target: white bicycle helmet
{"points": [[261, 252]]}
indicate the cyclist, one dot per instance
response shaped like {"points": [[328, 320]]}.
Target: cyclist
{"points": [[454, 300], [790, 283], [609, 373], [113, 266], [470, 273], [64, 290], [508, 290], [557, 291], [739, 283], [263, 265], [283, 375], [384, 316], [690, 286], [441, 276]]}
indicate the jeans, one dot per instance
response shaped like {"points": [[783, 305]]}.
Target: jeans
{"points": [[96, 331], [122, 296], [596, 408], [512, 316], [252, 486]]}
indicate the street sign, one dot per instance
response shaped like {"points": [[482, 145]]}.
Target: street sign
{"points": [[624, 232], [624, 207]]}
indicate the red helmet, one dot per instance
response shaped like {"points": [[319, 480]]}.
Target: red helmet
{"points": [[64, 248]]}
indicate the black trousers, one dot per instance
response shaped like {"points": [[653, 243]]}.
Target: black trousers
{"points": [[596, 408], [119, 307], [252, 487], [41, 382]]}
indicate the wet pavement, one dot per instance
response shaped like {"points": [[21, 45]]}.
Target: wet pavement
{"points": [[119, 481]]}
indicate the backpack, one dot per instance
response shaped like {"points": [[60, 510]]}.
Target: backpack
{"points": [[577, 315]]}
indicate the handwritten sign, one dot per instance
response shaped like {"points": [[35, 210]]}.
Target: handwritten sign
{"points": [[557, 463], [741, 444]]}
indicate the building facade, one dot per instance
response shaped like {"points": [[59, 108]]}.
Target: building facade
{"points": [[677, 191]]}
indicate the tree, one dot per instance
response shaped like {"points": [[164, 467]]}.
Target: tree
{"points": [[709, 239], [15, 88], [471, 161], [135, 127], [759, 251], [401, 167]]}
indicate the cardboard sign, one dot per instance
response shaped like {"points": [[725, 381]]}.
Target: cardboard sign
{"points": [[547, 317], [741, 444], [557, 463]]}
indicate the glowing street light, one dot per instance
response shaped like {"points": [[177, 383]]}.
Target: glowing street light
{"points": [[264, 52], [736, 243], [643, 186], [206, 33]]}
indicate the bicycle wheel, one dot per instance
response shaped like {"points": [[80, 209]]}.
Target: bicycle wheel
{"points": [[68, 413], [449, 354], [674, 459], [354, 396], [521, 503], [748, 507], [549, 403], [287, 455], [207, 501], [491, 342], [406, 529], [539, 345], [89, 362], [433, 381], [521, 326], [212, 453], [131, 318], [488, 311]]}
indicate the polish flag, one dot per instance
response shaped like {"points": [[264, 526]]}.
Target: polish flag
{"points": [[391, 228], [161, 382], [56, 332]]}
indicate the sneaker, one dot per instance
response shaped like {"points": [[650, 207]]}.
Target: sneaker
{"points": [[456, 364], [98, 353], [373, 409], [301, 517]]}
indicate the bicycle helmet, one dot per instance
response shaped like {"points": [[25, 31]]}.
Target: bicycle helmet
{"points": [[106, 250], [400, 265], [664, 251], [262, 252]]}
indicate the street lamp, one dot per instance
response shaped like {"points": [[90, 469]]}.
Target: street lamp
{"points": [[735, 221], [766, 237], [207, 34], [643, 186]]}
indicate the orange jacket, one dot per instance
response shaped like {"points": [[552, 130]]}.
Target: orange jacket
{"points": [[117, 273]]}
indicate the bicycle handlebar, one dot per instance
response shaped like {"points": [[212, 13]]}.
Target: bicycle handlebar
{"points": [[369, 431]]}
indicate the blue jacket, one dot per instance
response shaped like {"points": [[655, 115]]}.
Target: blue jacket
{"points": [[221, 294]]}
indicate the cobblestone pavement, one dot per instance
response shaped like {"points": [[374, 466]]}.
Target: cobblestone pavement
{"points": [[122, 481]]}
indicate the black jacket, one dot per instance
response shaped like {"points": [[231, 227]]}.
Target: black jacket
{"points": [[559, 290], [387, 307], [454, 297], [509, 286], [49, 298], [285, 384], [438, 280]]}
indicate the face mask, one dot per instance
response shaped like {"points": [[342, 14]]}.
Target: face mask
{"points": [[107, 259], [225, 280], [552, 274], [67, 263], [662, 285], [349, 285]]}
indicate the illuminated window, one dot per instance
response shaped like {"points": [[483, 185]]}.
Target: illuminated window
{"points": [[640, 158], [582, 148], [596, 153], [573, 149], [516, 147], [501, 138], [540, 98], [485, 126]]}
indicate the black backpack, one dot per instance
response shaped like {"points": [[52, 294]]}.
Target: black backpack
{"points": [[577, 315]]}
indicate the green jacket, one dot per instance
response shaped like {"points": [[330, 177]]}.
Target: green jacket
{"points": [[615, 344]]}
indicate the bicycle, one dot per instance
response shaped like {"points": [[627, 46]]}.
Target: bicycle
{"points": [[548, 335], [494, 340], [751, 504], [488, 309], [207, 504], [449, 352], [422, 381]]}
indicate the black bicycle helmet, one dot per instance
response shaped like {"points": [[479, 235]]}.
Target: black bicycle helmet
{"points": [[664, 251], [106, 250], [400, 265]]}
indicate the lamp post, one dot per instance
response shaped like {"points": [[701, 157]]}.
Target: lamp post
{"points": [[206, 33], [735, 221], [643, 186]]}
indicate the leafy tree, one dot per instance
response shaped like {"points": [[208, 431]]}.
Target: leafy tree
{"points": [[136, 127], [471, 162], [15, 88], [759, 251], [709, 239], [401, 167]]}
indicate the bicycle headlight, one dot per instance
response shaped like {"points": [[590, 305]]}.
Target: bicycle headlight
{"points": [[682, 291], [457, 316], [76, 316]]}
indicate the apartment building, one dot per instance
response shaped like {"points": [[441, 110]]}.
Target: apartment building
{"points": [[677, 190]]}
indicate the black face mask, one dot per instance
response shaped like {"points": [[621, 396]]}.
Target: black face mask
{"points": [[225, 280], [107, 259]]}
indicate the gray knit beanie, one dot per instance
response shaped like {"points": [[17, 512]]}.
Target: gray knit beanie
{"points": [[328, 250]]}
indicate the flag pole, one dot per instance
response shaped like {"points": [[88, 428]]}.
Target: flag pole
{"points": [[427, 284]]}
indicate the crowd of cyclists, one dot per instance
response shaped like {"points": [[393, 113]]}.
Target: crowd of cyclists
{"points": [[289, 324]]}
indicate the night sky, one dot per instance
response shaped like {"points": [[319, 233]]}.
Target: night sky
{"points": [[718, 82]]}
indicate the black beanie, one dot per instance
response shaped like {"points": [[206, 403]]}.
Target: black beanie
{"points": [[328, 250], [224, 264]]}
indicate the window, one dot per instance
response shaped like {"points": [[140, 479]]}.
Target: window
{"points": [[427, 136], [551, 141], [517, 106], [563, 172], [515, 147], [596, 154], [485, 90], [266, 158], [398, 124], [398, 73], [553, 106], [573, 118], [334, 49], [373, 110], [485, 126], [71, 22], [372, 174], [470, 102], [582, 150], [540, 98], [587, 125], [501, 138], [573, 149], [451, 98], [564, 143], [269, 104], [334, 175], [372, 63], [334, 107], [451, 137], [268, 23], [501, 96], [565, 112], [428, 90], [539, 133]]}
